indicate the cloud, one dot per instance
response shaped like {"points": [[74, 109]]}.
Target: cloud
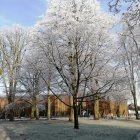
{"points": [[41, 16]]}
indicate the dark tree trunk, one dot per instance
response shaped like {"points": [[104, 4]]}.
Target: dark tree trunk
{"points": [[11, 113], [136, 107], [75, 108]]}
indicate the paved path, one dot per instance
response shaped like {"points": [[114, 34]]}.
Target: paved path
{"points": [[3, 134]]}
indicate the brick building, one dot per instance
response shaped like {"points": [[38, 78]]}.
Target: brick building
{"points": [[58, 108], [106, 107]]}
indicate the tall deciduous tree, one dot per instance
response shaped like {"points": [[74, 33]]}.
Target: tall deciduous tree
{"points": [[71, 33], [12, 47], [31, 81], [130, 43]]}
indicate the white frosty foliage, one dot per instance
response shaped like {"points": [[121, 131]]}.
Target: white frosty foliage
{"points": [[79, 24]]}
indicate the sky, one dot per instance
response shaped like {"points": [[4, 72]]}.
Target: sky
{"points": [[25, 12]]}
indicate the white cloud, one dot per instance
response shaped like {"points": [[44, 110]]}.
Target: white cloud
{"points": [[41, 16]]}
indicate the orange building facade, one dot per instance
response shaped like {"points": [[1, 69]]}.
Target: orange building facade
{"points": [[58, 108], [106, 107], [3, 102]]}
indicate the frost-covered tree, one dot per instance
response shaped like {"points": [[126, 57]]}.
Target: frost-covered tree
{"points": [[47, 70], [13, 42], [74, 38], [31, 81], [130, 41], [130, 44], [129, 8]]}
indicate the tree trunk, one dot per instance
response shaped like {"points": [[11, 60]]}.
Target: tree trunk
{"points": [[75, 108], [32, 112], [136, 106], [11, 113], [33, 109], [71, 117], [36, 108], [135, 100], [48, 106], [96, 108]]}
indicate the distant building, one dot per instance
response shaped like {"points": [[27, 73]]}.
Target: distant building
{"points": [[106, 107]]}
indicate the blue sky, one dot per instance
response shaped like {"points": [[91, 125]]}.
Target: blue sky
{"points": [[25, 12]]}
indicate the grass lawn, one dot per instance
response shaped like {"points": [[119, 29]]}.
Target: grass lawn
{"points": [[61, 129]]}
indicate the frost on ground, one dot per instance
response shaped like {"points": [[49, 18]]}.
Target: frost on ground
{"points": [[61, 129]]}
